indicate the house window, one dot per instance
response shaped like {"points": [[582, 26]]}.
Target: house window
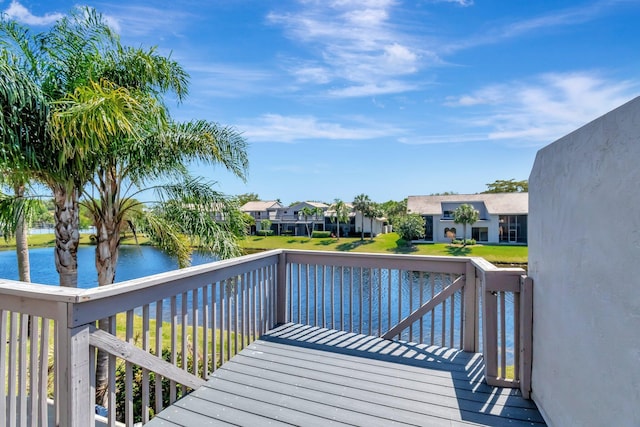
{"points": [[447, 215], [480, 234], [428, 228], [450, 233]]}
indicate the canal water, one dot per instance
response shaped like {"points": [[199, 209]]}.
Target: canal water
{"points": [[133, 262]]}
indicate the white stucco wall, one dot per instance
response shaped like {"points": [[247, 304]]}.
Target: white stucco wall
{"points": [[584, 257]]}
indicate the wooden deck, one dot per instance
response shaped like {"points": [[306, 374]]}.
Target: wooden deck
{"points": [[300, 375]]}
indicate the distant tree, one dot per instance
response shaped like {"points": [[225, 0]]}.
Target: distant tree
{"points": [[444, 193], [410, 227], [393, 210], [247, 197], [361, 204], [508, 186], [465, 214], [308, 212], [339, 213], [265, 225]]}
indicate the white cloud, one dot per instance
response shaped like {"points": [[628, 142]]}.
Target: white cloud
{"points": [[21, 14], [542, 109], [463, 3], [279, 128], [355, 44]]}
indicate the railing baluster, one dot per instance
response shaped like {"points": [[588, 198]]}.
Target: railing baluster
{"points": [[400, 287], [342, 320], [13, 362], [370, 332], [195, 335], [128, 386], [410, 274], [332, 269], [452, 312], [307, 298], [22, 372], [3, 365], [214, 329], [158, 377], [236, 309], [184, 324], [516, 335], [228, 323], [298, 266], [34, 341], [443, 315], [205, 331], [389, 322], [379, 301], [174, 346], [246, 339], [350, 299], [145, 372], [503, 335], [323, 306], [422, 301], [43, 380], [432, 280], [360, 300], [111, 403]]}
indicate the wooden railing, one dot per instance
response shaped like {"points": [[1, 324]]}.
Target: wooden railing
{"points": [[166, 334]]}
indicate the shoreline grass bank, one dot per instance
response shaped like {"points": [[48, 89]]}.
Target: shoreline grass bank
{"points": [[384, 243]]}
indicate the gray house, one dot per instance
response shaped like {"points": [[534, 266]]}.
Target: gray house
{"points": [[502, 219]]}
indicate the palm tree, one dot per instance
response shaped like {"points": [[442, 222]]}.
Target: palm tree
{"points": [[56, 63], [339, 213], [23, 112], [361, 204], [465, 214]]}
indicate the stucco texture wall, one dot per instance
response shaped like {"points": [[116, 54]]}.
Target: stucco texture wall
{"points": [[584, 257]]}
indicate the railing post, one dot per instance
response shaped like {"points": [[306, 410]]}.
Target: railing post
{"points": [[74, 376], [489, 331], [281, 289], [469, 329], [526, 334]]}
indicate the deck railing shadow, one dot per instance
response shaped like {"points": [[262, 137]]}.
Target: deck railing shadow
{"points": [[202, 316], [464, 371]]}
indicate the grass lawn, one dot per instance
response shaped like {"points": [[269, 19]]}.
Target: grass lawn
{"points": [[45, 240], [389, 243], [384, 243]]}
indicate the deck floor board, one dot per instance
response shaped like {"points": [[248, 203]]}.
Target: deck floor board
{"points": [[302, 375]]}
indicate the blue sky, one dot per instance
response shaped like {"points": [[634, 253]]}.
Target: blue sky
{"points": [[384, 97]]}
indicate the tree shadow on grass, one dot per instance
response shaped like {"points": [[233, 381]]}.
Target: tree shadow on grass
{"points": [[459, 250], [402, 247], [349, 246], [326, 242]]}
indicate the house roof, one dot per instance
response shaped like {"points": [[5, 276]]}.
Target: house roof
{"points": [[496, 203], [260, 206], [312, 204]]}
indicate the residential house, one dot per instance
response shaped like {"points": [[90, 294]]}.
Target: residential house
{"points": [[260, 210], [286, 220], [502, 216]]}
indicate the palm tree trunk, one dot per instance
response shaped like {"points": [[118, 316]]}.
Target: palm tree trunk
{"points": [[22, 246], [67, 220], [108, 240]]}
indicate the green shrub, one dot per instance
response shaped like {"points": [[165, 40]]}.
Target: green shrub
{"points": [[264, 232], [321, 234], [461, 242]]}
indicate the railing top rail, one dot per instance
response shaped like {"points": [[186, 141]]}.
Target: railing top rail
{"points": [[441, 264], [77, 295]]}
